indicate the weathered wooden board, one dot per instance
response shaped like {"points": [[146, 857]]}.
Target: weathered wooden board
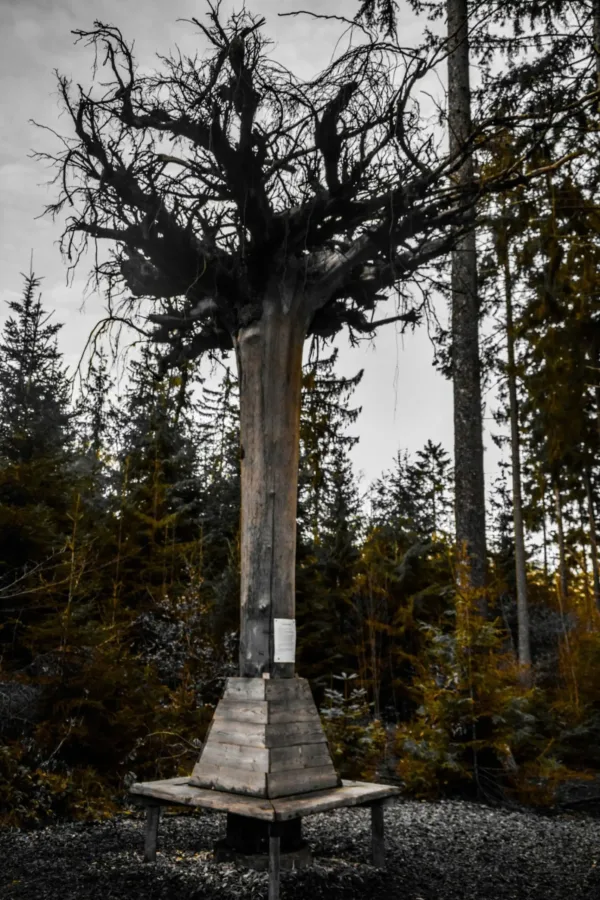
{"points": [[225, 778], [352, 793], [299, 756], [250, 735], [254, 759], [286, 689], [294, 711], [179, 792], [244, 733], [294, 781], [254, 711], [245, 689], [294, 733]]}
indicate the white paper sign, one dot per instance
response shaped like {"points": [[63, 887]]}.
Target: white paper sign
{"points": [[285, 640]]}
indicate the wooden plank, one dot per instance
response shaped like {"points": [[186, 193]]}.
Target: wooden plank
{"points": [[286, 689], [294, 711], [185, 794], [299, 756], [281, 735], [178, 791], [296, 781], [274, 861], [253, 759], [225, 778], [254, 711], [294, 733], [352, 793], [244, 733], [377, 836], [151, 835], [245, 689]]}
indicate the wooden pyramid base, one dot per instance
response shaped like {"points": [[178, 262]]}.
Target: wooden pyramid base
{"points": [[266, 740]]}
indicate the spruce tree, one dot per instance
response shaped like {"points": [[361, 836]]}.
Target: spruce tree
{"points": [[37, 439]]}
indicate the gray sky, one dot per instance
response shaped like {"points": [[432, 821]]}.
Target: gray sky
{"points": [[405, 401]]}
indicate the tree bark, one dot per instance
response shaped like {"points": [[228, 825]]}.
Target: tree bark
{"points": [[544, 530], [584, 569], [269, 360], [593, 536], [520, 558], [468, 439], [562, 561], [596, 35]]}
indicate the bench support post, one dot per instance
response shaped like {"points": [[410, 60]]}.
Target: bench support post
{"points": [[152, 817], [274, 860], [377, 835]]}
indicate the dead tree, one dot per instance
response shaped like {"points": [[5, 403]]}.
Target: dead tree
{"points": [[256, 210]]}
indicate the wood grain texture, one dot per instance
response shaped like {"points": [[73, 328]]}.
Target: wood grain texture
{"points": [[296, 781], [178, 792], [269, 362], [254, 711], [243, 733], [246, 734], [244, 689], [286, 689], [294, 711], [294, 733], [226, 778], [253, 759], [299, 756], [351, 793]]}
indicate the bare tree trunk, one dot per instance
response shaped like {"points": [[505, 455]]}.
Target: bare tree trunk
{"points": [[593, 536], [269, 359], [562, 561], [584, 569], [468, 440], [520, 559], [544, 531], [596, 35]]}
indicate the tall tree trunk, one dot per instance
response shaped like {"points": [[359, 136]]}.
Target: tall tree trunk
{"points": [[562, 560], [593, 535], [596, 36], [544, 530], [584, 567], [520, 559], [468, 439], [269, 359]]}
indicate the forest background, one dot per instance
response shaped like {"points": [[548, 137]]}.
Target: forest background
{"points": [[119, 540]]}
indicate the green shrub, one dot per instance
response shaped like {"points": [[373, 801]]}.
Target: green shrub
{"points": [[356, 741]]}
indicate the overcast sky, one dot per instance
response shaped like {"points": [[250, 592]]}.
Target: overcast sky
{"points": [[404, 400]]}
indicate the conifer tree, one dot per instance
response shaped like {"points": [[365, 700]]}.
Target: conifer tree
{"points": [[37, 439], [157, 491], [327, 519]]}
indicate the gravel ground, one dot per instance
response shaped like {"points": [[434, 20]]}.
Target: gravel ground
{"points": [[435, 851]]}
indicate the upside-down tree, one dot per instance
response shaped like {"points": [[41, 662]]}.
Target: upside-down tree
{"points": [[255, 210]]}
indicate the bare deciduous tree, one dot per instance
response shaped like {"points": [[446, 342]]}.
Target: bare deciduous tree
{"points": [[257, 210]]}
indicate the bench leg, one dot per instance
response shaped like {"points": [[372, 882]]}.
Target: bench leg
{"points": [[377, 838], [152, 817], [274, 861]]}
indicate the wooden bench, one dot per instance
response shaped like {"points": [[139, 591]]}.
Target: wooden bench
{"points": [[178, 792]]}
